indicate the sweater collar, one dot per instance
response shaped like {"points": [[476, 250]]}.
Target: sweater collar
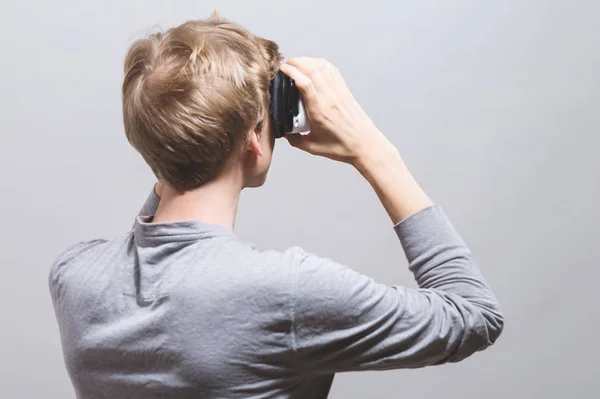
{"points": [[188, 230]]}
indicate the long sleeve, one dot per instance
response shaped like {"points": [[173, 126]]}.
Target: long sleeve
{"points": [[345, 321]]}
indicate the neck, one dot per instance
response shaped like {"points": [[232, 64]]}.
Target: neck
{"points": [[214, 203]]}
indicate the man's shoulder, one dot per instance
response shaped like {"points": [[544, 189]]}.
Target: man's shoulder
{"points": [[74, 251], [74, 255]]}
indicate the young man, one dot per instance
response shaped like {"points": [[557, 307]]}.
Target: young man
{"points": [[180, 308]]}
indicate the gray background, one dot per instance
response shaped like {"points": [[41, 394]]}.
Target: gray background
{"points": [[494, 106]]}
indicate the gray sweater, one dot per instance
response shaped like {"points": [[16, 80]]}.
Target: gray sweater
{"points": [[186, 310]]}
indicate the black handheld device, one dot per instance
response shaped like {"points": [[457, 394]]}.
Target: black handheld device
{"points": [[287, 111]]}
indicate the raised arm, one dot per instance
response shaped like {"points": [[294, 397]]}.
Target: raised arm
{"points": [[345, 321]]}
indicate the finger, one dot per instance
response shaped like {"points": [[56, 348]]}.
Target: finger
{"points": [[303, 83], [306, 65], [301, 78], [311, 67]]}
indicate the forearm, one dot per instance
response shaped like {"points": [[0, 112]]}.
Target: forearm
{"points": [[380, 163]]}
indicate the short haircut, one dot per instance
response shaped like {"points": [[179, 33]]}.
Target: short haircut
{"points": [[191, 95]]}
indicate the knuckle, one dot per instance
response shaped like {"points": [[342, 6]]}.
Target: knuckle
{"points": [[305, 84], [307, 89]]}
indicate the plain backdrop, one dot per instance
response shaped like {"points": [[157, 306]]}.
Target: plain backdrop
{"points": [[493, 105]]}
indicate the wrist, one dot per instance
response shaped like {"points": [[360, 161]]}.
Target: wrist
{"points": [[376, 155], [382, 166]]}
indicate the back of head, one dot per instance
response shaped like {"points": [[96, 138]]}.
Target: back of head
{"points": [[192, 94]]}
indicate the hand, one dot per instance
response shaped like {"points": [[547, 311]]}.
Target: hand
{"points": [[342, 131], [340, 128]]}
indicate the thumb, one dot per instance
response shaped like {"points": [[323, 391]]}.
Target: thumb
{"points": [[302, 142]]}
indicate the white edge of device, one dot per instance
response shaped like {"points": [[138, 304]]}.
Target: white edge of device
{"points": [[301, 123]]}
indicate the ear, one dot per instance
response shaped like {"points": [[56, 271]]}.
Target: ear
{"points": [[254, 142]]}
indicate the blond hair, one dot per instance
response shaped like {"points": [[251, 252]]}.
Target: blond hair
{"points": [[191, 95]]}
